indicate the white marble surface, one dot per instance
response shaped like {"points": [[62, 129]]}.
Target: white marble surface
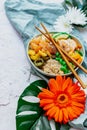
{"points": [[14, 70]]}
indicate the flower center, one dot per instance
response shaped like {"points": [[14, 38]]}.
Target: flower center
{"points": [[62, 98]]}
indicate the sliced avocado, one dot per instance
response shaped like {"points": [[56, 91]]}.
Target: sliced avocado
{"points": [[61, 35]]}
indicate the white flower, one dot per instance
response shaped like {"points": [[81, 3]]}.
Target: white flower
{"points": [[76, 16], [73, 16], [62, 25]]}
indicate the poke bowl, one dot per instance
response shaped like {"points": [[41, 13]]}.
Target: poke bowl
{"points": [[45, 58]]}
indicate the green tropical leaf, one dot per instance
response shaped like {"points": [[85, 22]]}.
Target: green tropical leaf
{"points": [[42, 124], [84, 7], [34, 119], [62, 127], [57, 126], [65, 127], [74, 3], [85, 123]]}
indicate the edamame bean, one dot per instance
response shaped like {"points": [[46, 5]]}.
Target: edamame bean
{"points": [[63, 62], [63, 68], [57, 54], [57, 58], [60, 60]]}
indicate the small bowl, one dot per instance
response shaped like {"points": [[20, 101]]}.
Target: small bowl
{"points": [[53, 75]]}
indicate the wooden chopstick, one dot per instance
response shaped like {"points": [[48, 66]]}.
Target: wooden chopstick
{"points": [[63, 56], [74, 61]]}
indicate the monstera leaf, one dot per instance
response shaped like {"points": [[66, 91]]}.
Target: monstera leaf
{"points": [[75, 3], [85, 123], [29, 115], [82, 4]]}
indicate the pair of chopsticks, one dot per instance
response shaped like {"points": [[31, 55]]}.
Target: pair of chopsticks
{"points": [[64, 55]]}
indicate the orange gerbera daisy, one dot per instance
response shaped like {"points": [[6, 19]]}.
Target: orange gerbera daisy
{"points": [[64, 101]]}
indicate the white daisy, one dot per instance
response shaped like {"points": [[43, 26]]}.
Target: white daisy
{"points": [[62, 24], [76, 16], [65, 22]]}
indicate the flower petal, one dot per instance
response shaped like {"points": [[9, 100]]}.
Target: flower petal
{"points": [[48, 106], [77, 110], [56, 116], [62, 24], [65, 115], [44, 102], [59, 80], [80, 105], [53, 85], [60, 116], [67, 83], [51, 111], [71, 113], [80, 93], [79, 99], [46, 93], [73, 89]]}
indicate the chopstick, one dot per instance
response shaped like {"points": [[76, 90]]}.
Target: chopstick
{"points": [[47, 35], [74, 61]]}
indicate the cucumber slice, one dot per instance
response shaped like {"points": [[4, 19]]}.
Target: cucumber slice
{"points": [[61, 35]]}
